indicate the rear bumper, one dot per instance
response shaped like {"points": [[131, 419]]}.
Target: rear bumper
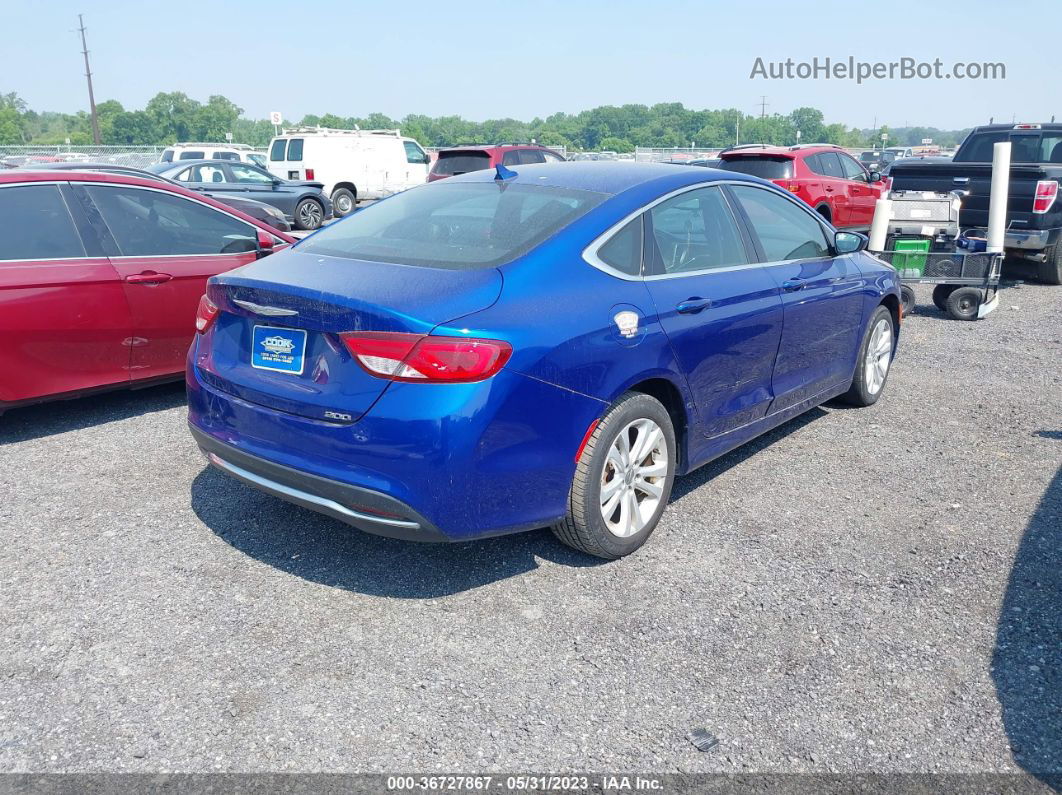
{"points": [[362, 508], [1030, 239], [446, 463]]}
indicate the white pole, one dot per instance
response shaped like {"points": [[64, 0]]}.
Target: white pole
{"points": [[997, 202], [879, 227]]}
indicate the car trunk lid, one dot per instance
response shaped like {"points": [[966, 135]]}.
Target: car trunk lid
{"points": [[308, 300]]}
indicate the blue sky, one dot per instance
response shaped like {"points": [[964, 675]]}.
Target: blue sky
{"points": [[488, 60]]}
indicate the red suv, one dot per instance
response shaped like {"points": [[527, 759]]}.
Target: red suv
{"points": [[462, 159], [825, 176]]}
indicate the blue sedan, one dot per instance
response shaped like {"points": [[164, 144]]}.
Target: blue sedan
{"points": [[549, 346]]}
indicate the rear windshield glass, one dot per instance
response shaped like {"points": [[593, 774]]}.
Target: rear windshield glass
{"points": [[457, 226], [461, 162], [765, 167], [1025, 147]]}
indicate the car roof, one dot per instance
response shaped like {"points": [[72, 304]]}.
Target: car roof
{"points": [[17, 175], [492, 147], [607, 176]]}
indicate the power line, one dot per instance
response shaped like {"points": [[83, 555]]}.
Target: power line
{"points": [[763, 105], [88, 76]]}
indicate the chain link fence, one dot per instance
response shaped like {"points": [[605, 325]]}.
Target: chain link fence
{"points": [[136, 156]]}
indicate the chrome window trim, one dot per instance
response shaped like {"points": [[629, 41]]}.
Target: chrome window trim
{"points": [[590, 257]]}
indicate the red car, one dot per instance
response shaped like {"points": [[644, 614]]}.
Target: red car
{"points": [[837, 185], [462, 159], [101, 275]]}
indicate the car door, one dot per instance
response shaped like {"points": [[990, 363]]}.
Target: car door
{"points": [[417, 162], [862, 198], [822, 295], [165, 247], [261, 186], [835, 188], [64, 320], [721, 312]]}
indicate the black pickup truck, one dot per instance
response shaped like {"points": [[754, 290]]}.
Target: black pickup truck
{"points": [[1034, 209]]}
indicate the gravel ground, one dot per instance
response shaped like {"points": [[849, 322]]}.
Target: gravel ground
{"points": [[860, 590]]}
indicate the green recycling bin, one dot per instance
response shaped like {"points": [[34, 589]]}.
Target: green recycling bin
{"points": [[910, 257]]}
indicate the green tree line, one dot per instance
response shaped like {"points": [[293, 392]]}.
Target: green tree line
{"points": [[174, 116]]}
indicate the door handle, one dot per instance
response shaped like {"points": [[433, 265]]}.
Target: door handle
{"points": [[789, 285], [691, 306], [829, 189], [148, 277]]}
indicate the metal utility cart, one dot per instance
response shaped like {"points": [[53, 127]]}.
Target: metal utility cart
{"points": [[924, 244]]}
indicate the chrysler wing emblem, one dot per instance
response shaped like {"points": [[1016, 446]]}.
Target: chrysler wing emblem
{"points": [[268, 311]]}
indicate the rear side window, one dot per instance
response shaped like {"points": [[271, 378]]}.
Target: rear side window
{"points": [[784, 229], [623, 251], [511, 158], [37, 224], [763, 167], [190, 155], [828, 165], [146, 223], [225, 156], [451, 163], [454, 225], [531, 156], [167, 156], [276, 151], [295, 149], [695, 231]]}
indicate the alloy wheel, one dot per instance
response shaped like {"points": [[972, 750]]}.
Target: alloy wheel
{"points": [[633, 478], [878, 356]]}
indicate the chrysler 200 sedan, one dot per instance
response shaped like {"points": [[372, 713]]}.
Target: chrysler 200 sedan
{"points": [[549, 345]]}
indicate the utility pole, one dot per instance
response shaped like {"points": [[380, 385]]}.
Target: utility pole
{"points": [[763, 105], [88, 76]]}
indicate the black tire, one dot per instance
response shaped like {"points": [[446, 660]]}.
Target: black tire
{"points": [[964, 302], [344, 202], [1050, 270], [907, 299], [861, 392], [309, 215], [584, 528], [940, 295]]}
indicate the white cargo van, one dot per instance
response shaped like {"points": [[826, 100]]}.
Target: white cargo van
{"points": [[208, 151], [354, 165]]}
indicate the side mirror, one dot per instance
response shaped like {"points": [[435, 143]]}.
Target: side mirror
{"points": [[849, 242], [265, 243], [875, 176]]}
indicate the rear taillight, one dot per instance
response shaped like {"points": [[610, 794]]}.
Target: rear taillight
{"points": [[1044, 198], [888, 184], [205, 315], [309, 173], [420, 358], [788, 184]]}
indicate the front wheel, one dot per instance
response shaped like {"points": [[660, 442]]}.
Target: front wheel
{"points": [[940, 295], [875, 358], [622, 480]]}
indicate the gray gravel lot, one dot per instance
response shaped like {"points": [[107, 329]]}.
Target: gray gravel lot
{"points": [[861, 590]]}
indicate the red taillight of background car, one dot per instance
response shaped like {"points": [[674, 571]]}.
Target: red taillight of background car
{"points": [[205, 315], [1044, 198], [423, 358], [888, 185], [788, 184], [309, 173]]}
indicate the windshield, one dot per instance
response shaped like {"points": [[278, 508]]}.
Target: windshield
{"points": [[456, 226], [870, 157], [461, 162], [765, 167]]}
